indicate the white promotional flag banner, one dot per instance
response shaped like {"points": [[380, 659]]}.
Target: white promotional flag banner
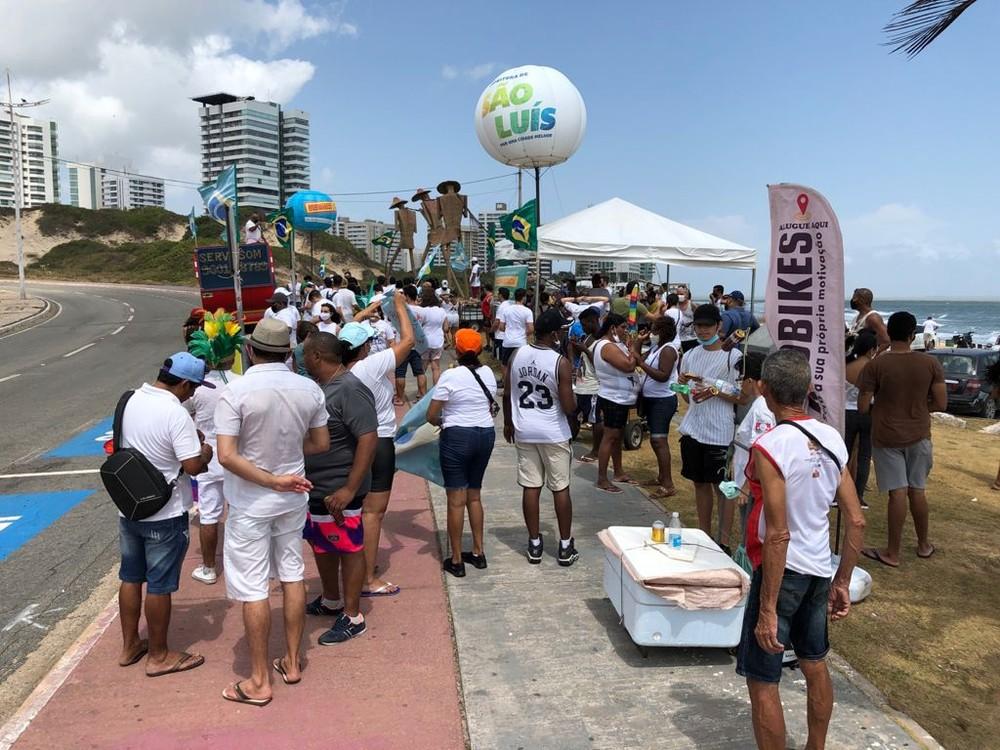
{"points": [[804, 305]]}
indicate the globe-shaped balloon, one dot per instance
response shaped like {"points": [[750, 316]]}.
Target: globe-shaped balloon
{"points": [[531, 116], [311, 211]]}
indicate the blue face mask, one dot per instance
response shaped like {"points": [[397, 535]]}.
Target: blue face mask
{"points": [[708, 342]]}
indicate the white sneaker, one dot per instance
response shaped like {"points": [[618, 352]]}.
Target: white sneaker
{"points": [[205, 574]]}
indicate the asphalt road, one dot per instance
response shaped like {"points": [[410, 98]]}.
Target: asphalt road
{"points": [[57, 380]]}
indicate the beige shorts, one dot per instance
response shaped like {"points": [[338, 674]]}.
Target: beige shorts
{"points": [[257, 549], [431, 355], [544, 464]]}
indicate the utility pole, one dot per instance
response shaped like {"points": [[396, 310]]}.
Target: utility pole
{"points": [[16, 173]]}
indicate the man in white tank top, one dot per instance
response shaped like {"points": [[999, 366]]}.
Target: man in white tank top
{"points": [[538, 406]]}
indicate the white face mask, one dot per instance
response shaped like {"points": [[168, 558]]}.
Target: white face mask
{"points": [[654, 339], [324, 316], [681, 297]]}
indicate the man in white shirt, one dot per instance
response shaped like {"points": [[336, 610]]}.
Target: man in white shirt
{"points": [[153, 549], [537, 420], [253, 230], [474, 282], [267, 491], [798, 469], [344, 299], [503, 293], [516, 324], [281, 311], [930, 332]]}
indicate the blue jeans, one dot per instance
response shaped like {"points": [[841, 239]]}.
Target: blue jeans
{"points": [[802, 624], [153, 551], [465, 452], [659, 412]]}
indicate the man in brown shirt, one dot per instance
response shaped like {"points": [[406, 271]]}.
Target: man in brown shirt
{"points": [[907, 387]]}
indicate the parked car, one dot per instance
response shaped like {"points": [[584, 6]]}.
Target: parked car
{"points": [[965, 375]]}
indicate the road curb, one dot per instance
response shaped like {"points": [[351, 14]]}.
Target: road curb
{"points": [[40, 316], [920, 735]]}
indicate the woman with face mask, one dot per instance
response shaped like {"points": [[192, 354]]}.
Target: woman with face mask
{"points": [[659, 403], [708, 425], [328, 320], [618, 384], [685, 319]]}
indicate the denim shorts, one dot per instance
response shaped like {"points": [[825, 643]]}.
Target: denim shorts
{"points": [[802, 625], [465, 452], [153, 551], [416, 363], [659, 412]]}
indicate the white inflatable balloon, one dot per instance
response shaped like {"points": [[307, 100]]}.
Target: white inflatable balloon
{"points": [[531, 116]]}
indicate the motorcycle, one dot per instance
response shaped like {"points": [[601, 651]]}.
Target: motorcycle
{"points": [[963, 340]]}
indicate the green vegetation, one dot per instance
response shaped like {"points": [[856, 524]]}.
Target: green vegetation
{"points": [[140, 223], [157, 262]]}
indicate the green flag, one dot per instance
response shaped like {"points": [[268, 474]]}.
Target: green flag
{"points": [[491, 244], [520, 226], [385, 239], [281, 222]]}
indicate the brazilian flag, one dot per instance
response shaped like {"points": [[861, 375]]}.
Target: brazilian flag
{"points": [[281, 222], [491, 244], [385, 239], [521, 226]]}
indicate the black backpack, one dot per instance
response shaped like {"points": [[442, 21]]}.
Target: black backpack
{"points": [[134, 484]]}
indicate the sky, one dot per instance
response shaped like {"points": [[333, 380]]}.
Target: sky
{"points": [[693, 108]]}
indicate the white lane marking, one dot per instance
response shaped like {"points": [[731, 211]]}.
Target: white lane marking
{"points": [[49, 473], [115, 332], [29, 328], [27, 616], [9, 377], [129, 318], [6, 521], [77, 351]]}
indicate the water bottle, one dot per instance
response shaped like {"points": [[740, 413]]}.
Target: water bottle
{"points": [[724, 386], [674, 530], [680, 388]]}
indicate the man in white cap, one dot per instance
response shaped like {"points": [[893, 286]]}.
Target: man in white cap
{"points": [[267, 492]]}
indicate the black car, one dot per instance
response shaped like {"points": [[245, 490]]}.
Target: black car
{"points": [[965, 375]]}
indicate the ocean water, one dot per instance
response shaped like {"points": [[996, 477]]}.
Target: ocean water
{"points": [[982, 318]]}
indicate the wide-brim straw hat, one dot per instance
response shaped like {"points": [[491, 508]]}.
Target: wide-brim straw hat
{"points": [[421, 194], [454, 183], [397, 203]]}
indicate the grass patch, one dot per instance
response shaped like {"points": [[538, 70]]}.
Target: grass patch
{"points": [[158, 262], [141, 223], [929, 635]]}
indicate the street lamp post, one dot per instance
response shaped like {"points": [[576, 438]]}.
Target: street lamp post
{"points": [[16, 173]]}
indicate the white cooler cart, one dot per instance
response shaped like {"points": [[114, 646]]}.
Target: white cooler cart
{"points": [[652, 620]]}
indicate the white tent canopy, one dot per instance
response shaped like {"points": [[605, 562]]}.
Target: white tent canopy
{"points": [[617, 230]]}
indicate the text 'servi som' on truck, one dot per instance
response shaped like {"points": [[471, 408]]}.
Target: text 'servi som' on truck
{"points": [[214, 269]]}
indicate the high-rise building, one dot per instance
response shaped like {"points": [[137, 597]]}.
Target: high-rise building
{"points": [[361, 233], [93, 186], [587, 268], [485, 218], [269, 146], [39, 144]]}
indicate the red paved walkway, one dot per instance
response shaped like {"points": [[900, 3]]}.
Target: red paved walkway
{"points": [[395, 687]]}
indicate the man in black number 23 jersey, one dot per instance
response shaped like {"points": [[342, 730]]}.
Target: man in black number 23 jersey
{"points": [[538, 405]]}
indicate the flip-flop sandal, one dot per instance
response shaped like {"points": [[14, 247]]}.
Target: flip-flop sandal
{"points": [[398, 402], [612, 490], [650, 483], [929, 554], [242, 697], [386, 589], [143, 650], [186, 662], [995, 487], [587, 460], [628, 480], [874, 554], [284, 675], [663, 494]]}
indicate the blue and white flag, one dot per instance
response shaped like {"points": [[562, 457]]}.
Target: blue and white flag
{"points": [[425, 269], [459, 260], [221, 194], [192, 225], [418, 443]]}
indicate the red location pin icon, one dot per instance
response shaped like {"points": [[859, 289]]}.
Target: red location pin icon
{"points": [[803, 201]]}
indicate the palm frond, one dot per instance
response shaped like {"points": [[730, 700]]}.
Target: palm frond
{"points": [[921, 22]]}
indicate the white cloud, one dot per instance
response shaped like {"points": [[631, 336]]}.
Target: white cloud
{"points": [[472, 73], [896, 230], [120, 76]]}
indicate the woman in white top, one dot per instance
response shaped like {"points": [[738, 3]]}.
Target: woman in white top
{"points": [[858, 426], [659, 403], [685, 324], [434, 320], [464, 406], [328, 320], [615, 366]]}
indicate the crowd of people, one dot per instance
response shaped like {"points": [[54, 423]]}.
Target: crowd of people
{"points": [[300, 447]]}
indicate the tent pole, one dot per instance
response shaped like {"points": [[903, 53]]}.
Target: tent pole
{"points": [[668, 277], [538, 255], [753, 289]]}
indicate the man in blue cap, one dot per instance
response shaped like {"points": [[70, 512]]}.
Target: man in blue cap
{"points": [[737, 316], [153, 549]]}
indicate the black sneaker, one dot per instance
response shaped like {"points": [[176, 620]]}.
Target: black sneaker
{"points": [[568, 555], [343, 630], [456, 569], [535, 550], [316, 607], [476, 561]]}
